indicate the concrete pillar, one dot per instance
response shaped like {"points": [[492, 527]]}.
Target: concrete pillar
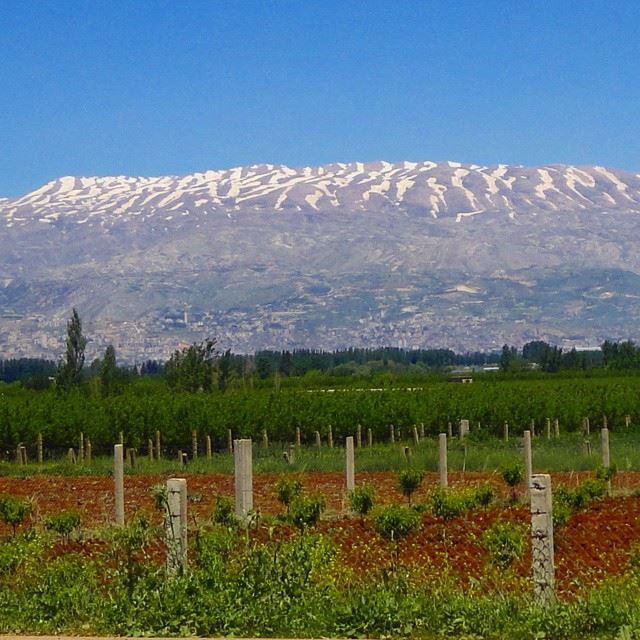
{"points": [[207, 442], [330, 437], [351, 465], [150, 449], [506, 432], [176, 525], [449, 430], [118, 479], [40, 449], [81, 448], [606, 456], [359, 436], [542, 554], [605, 424], [230, 441], [194, 444], [548, 428], [121, 436], [318, 439], [71, 455], [528, 461], [587, 426], [532, 428], [627, 421], [422, 430], [243, 476], [463, 428], [392, 434], [442, 464], [265, 439], [158, 450], [88, 451], [298, 438], [556, 427], [369, 437], [416, 437]]}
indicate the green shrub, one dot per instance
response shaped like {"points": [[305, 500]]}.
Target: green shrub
{"points": [[394, 522], [287, 490], [606, 473], [482, 495], [444, 504], [305, 511], [63, 523], [505, 542], [361, 499], [408, 481], [224, 512], [513, 475], [13, 511]]}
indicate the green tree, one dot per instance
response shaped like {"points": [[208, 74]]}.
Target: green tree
{"points": [[108, 371], [69, 372], [224, 370], [191, 368]]}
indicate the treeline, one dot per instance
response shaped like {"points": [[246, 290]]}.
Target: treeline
{"points": [[550, 358]]}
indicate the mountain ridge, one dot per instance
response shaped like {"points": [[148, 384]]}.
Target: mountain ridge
{"points": [[344, 254]]}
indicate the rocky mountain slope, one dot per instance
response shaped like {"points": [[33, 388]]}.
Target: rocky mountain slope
{"points": [[410, 254]]}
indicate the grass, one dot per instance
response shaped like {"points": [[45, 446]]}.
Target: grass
{"points": [[566, 453]]}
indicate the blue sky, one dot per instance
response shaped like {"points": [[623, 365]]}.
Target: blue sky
{"points": [[153, 87]]}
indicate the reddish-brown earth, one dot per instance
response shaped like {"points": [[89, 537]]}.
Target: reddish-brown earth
{"points": [[595, 543]]}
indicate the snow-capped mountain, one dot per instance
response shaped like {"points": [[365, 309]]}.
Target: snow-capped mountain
{"points": [[406, 253]]}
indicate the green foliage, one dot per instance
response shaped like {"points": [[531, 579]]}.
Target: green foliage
{"points": [[395, 522], [305, 511], [191, 369], [505, 542], [606, 473], [408, 482], [69, 372], [13, 511], [224, 512], [64, 523], [287, 489], [448, 504], [512, 474], [361, 499], [566, 501]]}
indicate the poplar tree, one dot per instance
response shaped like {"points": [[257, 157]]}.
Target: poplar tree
{"points": [[69, 372]]}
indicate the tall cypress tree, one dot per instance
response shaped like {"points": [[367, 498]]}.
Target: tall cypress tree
{"points": [[70, 369]]}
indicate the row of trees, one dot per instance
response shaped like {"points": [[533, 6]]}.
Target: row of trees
{"points": [[541, 355]]}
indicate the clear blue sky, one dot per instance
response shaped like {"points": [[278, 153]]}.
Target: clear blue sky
{"points": [[151, 87]]}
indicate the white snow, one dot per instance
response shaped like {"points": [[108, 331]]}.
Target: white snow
{"points": [[620, 186]]}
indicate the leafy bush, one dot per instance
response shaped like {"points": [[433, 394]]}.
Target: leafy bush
{"points": [[505, 542], [394, 522], [408, 481], [449, 504], [606, 473], [13, 511], [287, 490], [63, 523], [306, 511], [361, 499], [513, 475], [566, 501], [482, 495], [224, 512]]}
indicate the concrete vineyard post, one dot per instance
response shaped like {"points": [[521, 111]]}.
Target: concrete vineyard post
{"points": [[587, 426], [627, 421], [528, 461], [88, 451], [350, 466], [131, 457], [318, 439], [605, 424], [532, 428], [150, 449], [506, 432], [208, 445], [158, 450], [298, 438], [606, 455], [180, 458], [463, 428], [416, 437], [230, 441], [118, 479], [71, 455], [422, 430], [265, 439], [194, 444], [330, 437], [243, 477], [19, 454], [442, 464], [542, 554], [392, 434], [81, 448], [359, 436], [176, 525], [556, 427], [121, 436], [449, 430], [40, 449], [370, 437], [548, 428]]}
